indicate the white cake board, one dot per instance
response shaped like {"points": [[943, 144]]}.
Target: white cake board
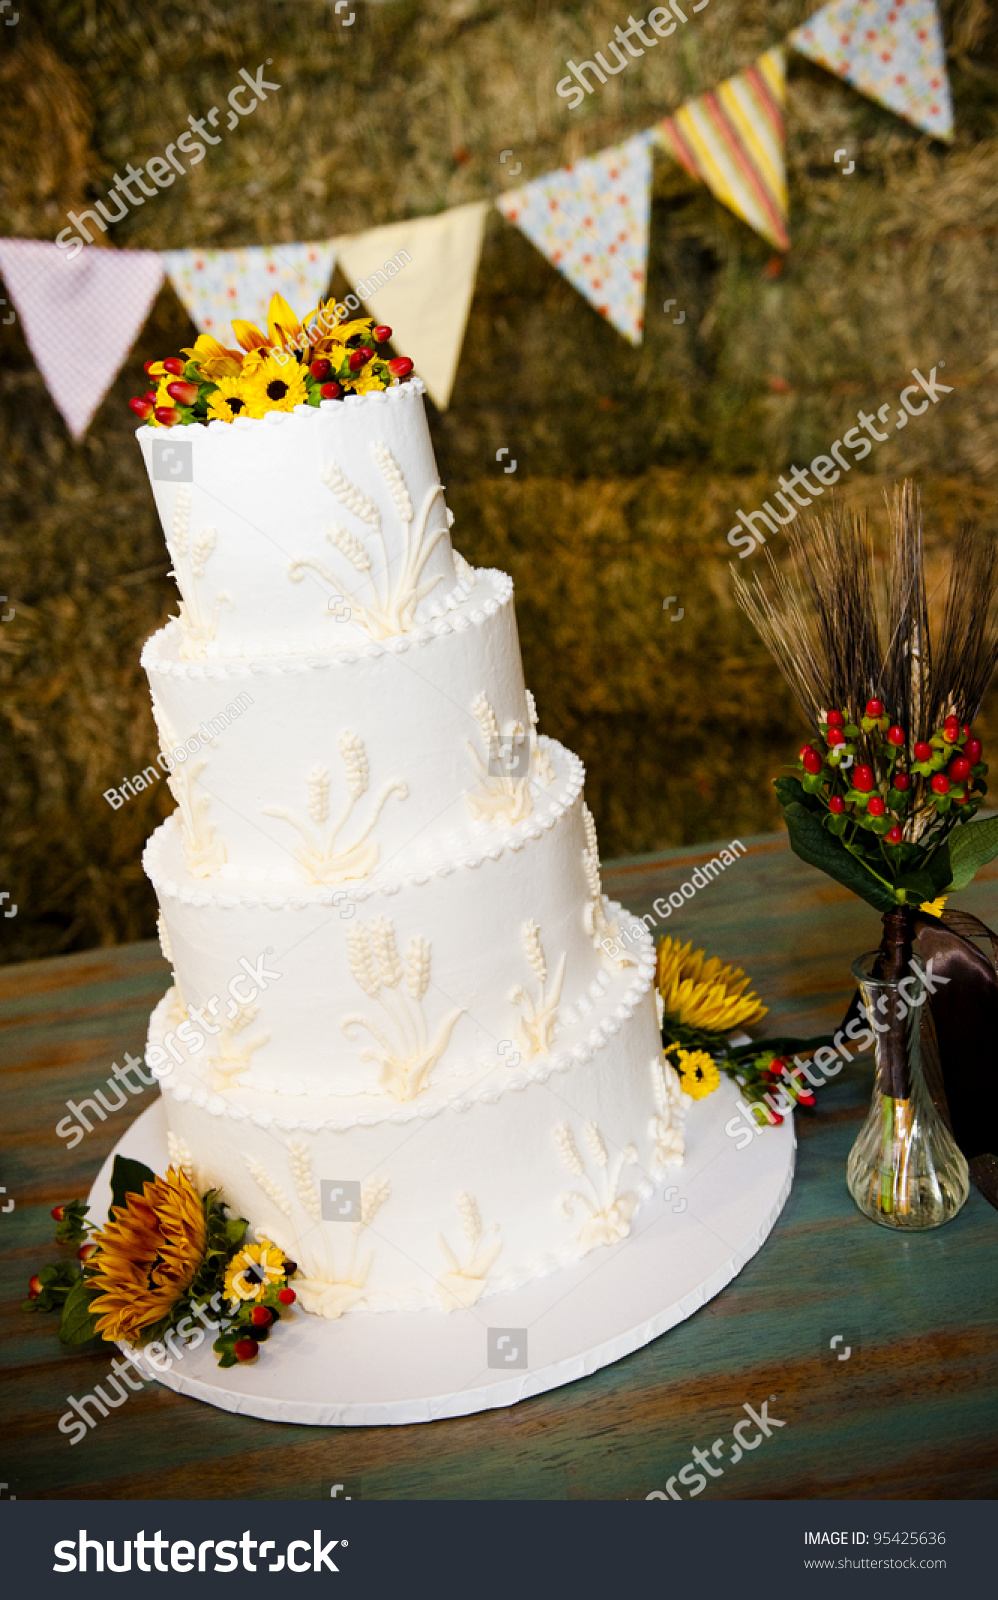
{"points": [[398, 1367]]}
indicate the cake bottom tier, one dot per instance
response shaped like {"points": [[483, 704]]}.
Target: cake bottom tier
{"points": [[444, 1202]]}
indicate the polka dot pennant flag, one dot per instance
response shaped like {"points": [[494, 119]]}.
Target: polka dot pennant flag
{"points": [[217, 285], [590, 220], [890, 50]]}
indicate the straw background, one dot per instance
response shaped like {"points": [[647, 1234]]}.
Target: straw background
{"points": [[630, 464]]}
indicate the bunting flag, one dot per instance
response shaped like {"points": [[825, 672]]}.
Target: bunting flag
{"points": [[890, 50], [590, 220], [217, 285], [80, 316], [419, 278], [731, 139]]}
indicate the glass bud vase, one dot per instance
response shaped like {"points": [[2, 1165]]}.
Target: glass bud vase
{"points": [[905, 1169]]}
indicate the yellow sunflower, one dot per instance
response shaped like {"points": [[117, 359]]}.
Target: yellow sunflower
{"points": [[212, 359], [701, 993], [251, 1270], [147, 1255], [698, 1073], [272, 385], [366, 381], [229, 400]]}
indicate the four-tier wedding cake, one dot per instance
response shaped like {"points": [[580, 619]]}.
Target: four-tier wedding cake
{"points": [[404, 1039]]}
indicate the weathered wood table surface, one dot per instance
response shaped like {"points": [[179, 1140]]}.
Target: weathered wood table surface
{"points": [[910, 1412]]}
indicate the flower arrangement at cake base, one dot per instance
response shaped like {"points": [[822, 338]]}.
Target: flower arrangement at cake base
{"points": [[164, 1255], [888, 784]]}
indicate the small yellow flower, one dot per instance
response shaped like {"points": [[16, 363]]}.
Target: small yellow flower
{"points": [[212, 359], [366, 381], [698, 1073], [229, 400], [701, 993], [934, 908], [251, 1270], [273, 385]]}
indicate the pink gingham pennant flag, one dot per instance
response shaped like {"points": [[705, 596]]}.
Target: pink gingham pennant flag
{"points": [[890, 50], [591, 222], [80, 316]]}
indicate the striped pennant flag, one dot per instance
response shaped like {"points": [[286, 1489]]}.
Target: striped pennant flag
{"points": [[731, 139]]}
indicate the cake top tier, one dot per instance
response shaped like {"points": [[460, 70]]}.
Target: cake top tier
{"points": [[324, 525]]}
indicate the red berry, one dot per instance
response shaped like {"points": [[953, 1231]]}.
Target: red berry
{"points": [[812, 761], [835, 719], [960, 799], [322, 370], [923, 751], [330, 391], [952, 721], [400, 367], [184, 393], [166, 416], [835, 737], [360, 358], [261, 1317], [959, 769], [894, 835], [951, 732], [150, 395], [805, 1098], [775, 1118], [876, 807], [972, 750], [837, 804], [895, 735], [58, 1212], [34, 1287], [802, 752], [863, 779], [940, 783], [142, 408], [174, 365], [245, 1349], [382, 333], [901, 780], [86, 1251], [874, 708], [287, 1297], [965, 730]]}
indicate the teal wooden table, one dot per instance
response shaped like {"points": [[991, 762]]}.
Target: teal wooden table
{"points": [[911, 1412]]}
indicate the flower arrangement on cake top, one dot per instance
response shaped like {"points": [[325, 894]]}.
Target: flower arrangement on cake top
{"points": [[292, 364], [165, 1254]]}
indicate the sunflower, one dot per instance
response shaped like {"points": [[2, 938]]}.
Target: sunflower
{"points": [[213, 360], [229, 400], [147, 1256], [272, 385], [252, 1269], [701, 997]]}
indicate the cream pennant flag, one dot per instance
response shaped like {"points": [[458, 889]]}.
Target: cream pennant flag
{"points": [[80, 314], [419, 278], [732, 140], [890, 50], [217, 285], [591, 222]]}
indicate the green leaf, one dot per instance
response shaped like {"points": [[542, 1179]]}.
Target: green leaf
{"points": [[836, 824], [56, 1281], [72, 1229], [809, 840], [918, 886], [788, 790], [971, 848], [78, 1325], [128, 1177]]}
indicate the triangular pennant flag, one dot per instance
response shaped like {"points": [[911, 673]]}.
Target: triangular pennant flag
{"points": [[890, 50], [217, 285], [423, 274], [81, 314], [591, 222], [732, 140]]}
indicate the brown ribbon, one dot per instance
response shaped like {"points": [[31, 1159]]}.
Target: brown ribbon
{"points": [[958, 1033]]}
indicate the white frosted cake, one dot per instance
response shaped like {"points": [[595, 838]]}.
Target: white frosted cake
{"points": [[401, 1039]]}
